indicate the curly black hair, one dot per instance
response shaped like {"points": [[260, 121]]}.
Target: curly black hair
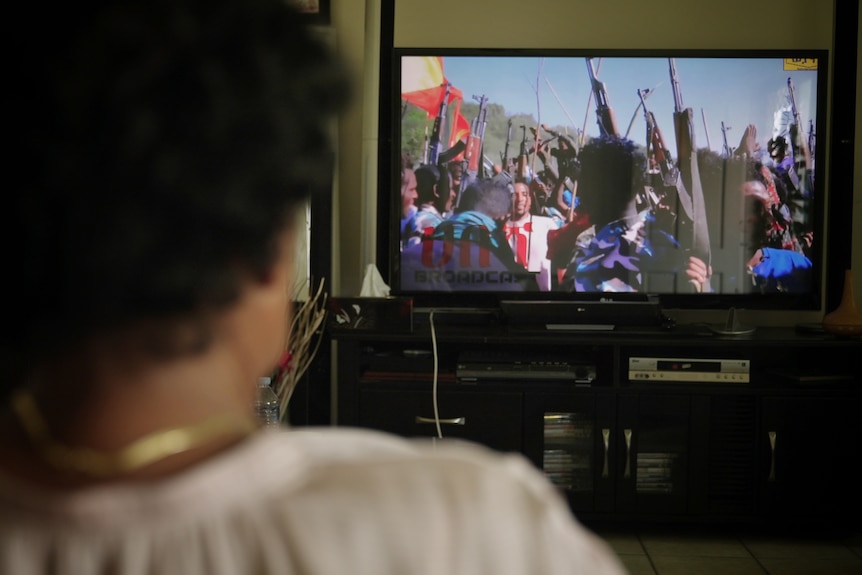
{"points": [[427, 177], [611, 174], [160, 148]]}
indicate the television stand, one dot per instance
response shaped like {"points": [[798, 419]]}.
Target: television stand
{"points": [[755, 429]]}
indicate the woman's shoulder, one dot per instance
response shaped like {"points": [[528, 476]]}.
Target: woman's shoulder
{"points": [[463, 496], [377, 498]]}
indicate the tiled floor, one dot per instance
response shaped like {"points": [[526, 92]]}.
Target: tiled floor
{"points": [[687, 550]]}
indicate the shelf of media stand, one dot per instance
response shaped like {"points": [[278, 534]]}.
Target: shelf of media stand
{"points": [[779, 446]]}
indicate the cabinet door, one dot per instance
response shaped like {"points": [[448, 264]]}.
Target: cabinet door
{"points": [[489, 418], [723, 458], [811, 446], [569, 437], [653, 453]]}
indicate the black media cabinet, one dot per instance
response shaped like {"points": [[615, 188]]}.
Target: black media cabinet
{"points": [[682, 444]]}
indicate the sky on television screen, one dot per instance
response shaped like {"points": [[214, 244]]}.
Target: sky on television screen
{"points": [[736, 91]]}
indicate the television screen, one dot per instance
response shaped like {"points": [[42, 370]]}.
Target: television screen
{"points": [[559, 174]]}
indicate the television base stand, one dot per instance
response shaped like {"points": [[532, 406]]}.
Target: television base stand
{"points": [[732, 326]]}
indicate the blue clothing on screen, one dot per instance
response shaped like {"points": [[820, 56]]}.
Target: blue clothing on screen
{"points": [[783, 271], [616, 257]]}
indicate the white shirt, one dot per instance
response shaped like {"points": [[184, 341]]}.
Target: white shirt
{"points": [[323, 501], [528, 237]]}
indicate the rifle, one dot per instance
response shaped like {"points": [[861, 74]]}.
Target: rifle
{"points": [[693, 204], [473, 155], [522, 155], [682, 116], [505, 155], [812, 139], [800, 144], [605, 114], [655, 140], [727, 151], [435, 146], [569, 170]]}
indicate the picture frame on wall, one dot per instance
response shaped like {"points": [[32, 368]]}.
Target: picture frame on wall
{"points": [[316, 11]]}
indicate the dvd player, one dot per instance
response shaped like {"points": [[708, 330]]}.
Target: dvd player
{"points": [[476, 368], [668, 369]]}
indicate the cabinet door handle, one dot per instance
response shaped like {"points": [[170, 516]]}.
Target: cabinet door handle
{"points": [[773, 436], [449, 421], [606, 438], [628, 435]]}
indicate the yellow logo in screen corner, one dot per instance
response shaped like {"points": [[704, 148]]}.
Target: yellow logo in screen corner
{"points": [[800, 63]]}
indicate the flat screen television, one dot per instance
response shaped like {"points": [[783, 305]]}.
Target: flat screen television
{"points": [[690, 177]]}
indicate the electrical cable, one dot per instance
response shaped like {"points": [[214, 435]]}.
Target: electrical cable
{"points": [[434, 375]]}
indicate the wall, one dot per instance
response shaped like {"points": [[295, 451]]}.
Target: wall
{"points": [[550, 23], [857, 181]]}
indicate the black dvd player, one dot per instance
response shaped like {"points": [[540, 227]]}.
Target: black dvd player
{"points": [[474, 368]]}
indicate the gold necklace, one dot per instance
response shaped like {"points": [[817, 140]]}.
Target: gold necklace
{"points": [[140, 453]]}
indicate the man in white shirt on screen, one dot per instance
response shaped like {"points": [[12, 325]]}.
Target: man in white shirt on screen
{"points": [[527, 233]]}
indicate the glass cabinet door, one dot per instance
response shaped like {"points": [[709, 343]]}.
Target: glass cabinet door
{"points": [[567, 452], [568, 437], [653, 453]]}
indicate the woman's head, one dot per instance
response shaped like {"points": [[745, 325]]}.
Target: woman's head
{"points": [[164, 144]]}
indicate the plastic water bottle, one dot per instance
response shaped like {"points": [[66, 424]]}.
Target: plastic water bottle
{"points": [[266, 403]]}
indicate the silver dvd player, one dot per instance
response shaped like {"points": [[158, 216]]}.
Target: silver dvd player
{"points": [[675, 369]]}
